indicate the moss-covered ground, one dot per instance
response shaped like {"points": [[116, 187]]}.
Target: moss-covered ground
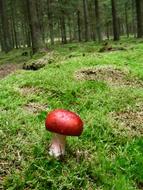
{"points": [[108, 155]]}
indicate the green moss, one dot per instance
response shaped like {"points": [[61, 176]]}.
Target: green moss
{"points": [[99, 159]]}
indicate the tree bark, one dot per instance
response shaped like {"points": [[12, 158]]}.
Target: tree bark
{"points": [[40, 15], [126, 19], [133, 18], [1, 39], [79, 25], [139, 11], [108, 30], [5, 32], [69, 29], [50, 21], [86, 25], [26, 20], [98, 24], [63, 28], [14, 24], [36, 35], [115, 21]]}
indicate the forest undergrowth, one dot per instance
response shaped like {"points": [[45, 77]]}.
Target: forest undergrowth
{"points": [[105, 88]]}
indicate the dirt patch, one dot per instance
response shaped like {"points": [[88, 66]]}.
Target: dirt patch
{"points": [[39, 63], [110, 74], [28, 90], [7, 163], [129, 122], [35, 108], [6, 69], [106, 47], [110, 48]]}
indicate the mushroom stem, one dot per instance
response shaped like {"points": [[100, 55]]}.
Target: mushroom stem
{"points": [[57, 146]]}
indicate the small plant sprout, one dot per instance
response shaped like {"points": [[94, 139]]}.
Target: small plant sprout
{"points": [[62, 123]]}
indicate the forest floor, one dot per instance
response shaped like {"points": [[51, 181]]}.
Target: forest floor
{"points": [[8, 68], [104, 85]]}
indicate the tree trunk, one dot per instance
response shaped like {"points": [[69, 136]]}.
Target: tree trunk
{"points": [[108, 30], [79, 25], [93, 33], [85, 12], [133, 18], [139, 11], [1, 39], [50, 21], [12, 34], [63, 28], [59, 31], [36, 35], [70, 31], [115, 21], [98, 24], [6, 36], [28, 36], [26, 20], [126, 19], [14, 24], [40, 15]]}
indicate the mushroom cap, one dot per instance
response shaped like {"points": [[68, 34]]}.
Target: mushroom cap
{"points": [[64, 122]]}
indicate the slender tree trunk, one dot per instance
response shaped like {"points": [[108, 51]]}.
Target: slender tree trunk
{"points": [[1, 38], [75, 29], [23, 35], [79, 25], [7, 46], [26, 20], [126, 19], [50, 21], [69, 29], [12, 34], [36, 35], [59, 31], [14, 24], [139, 11], [15, 34], [86, 25], [133, 18], [115, 21], [93, 35], [28, 36], [119, 27], [63, 28], [107, 30], [98, 24], [40, 15]]}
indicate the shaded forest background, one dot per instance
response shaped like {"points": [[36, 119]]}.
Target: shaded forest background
{"points": [[35, 23]]}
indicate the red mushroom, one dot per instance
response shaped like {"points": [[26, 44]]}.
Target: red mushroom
{"points": [[62, 123]]}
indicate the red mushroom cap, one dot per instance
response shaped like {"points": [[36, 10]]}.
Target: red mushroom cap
{"points": [[64, 122]]}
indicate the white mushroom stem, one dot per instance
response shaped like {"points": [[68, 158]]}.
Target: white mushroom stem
{"points": [[57, 146]]}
